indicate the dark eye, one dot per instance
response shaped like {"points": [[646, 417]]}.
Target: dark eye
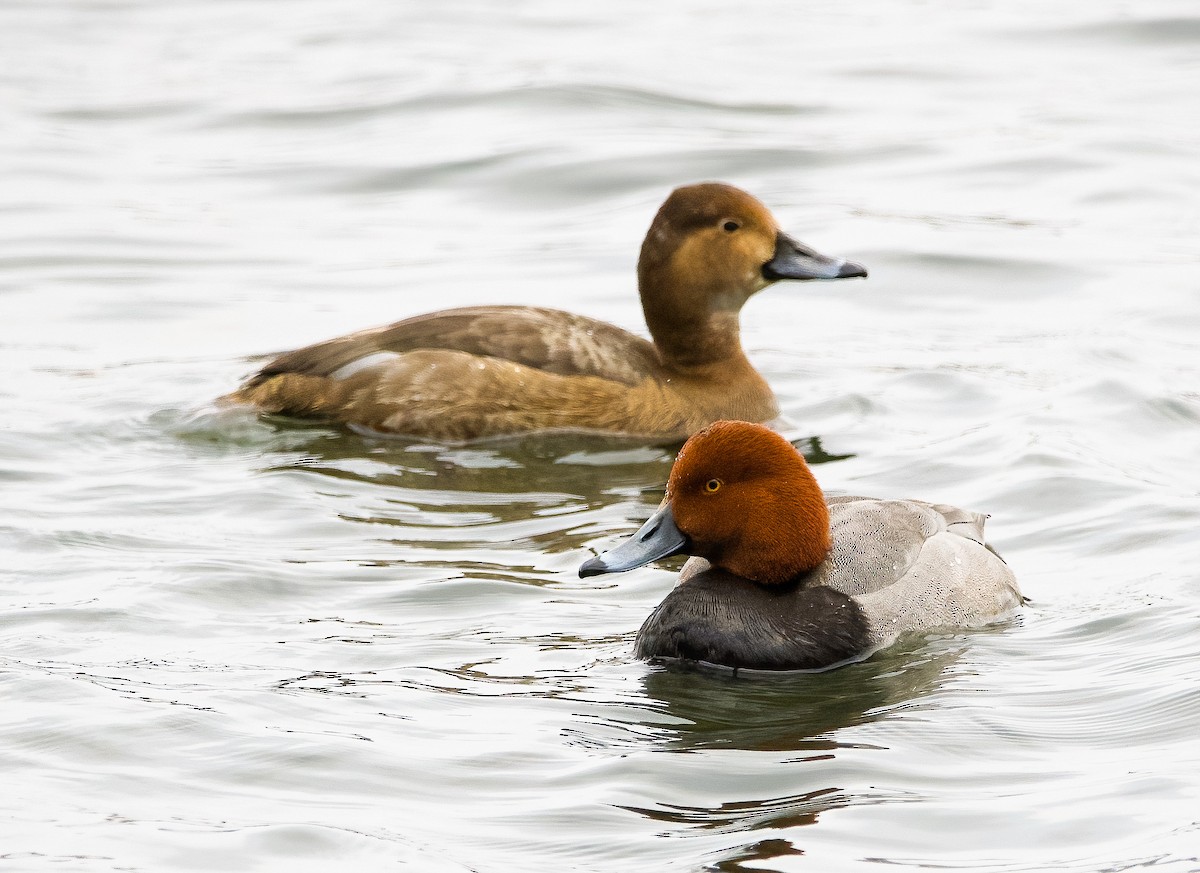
{"points": [[730, 226], [712, 485]]}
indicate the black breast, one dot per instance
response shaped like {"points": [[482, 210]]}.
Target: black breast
{"points": [[724, 619]]}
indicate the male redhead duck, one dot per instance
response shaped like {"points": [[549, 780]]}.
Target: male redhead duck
{"points": [[483, 371], [791, 581]]}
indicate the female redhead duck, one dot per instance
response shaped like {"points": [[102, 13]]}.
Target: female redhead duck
{"points": [[791, 581], [483, 371]]}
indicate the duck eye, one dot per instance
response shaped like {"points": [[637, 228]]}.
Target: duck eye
{"points": [[712, 485], [730, 226]]}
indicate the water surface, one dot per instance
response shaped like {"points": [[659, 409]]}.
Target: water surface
{"points": [[257, 645]]}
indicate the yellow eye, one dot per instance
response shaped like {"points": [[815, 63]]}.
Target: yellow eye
{"points": [[712, 485]]}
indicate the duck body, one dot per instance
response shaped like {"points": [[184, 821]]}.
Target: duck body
{"points": [[465, 374], [795, 581], [478, 372], [894, 566]]}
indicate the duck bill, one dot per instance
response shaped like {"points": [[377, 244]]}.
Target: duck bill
{"points": [[657, 538], [795, 260]]}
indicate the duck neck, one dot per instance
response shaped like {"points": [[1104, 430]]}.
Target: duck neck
{"points": [[793, 537], [692, 328]]}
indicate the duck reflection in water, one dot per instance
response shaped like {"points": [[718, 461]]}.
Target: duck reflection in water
{"points": [[714, 707], [792, 718]]}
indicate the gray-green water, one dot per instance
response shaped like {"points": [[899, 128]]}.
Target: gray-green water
{"points": [[237, 645]]}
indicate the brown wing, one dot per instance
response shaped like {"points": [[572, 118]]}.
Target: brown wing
{"points": [[545, 339]]}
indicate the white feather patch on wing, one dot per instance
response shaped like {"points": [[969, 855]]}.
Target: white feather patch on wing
{"points": [[366, 362]]}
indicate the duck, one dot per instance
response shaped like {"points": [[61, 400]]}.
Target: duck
{"points": [[477, 372], [781, 578]]}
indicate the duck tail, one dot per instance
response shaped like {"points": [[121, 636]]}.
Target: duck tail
{"points": [[295, 394]]}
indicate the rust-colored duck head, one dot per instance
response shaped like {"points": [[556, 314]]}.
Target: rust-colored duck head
{"points": [[740, 496]]}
